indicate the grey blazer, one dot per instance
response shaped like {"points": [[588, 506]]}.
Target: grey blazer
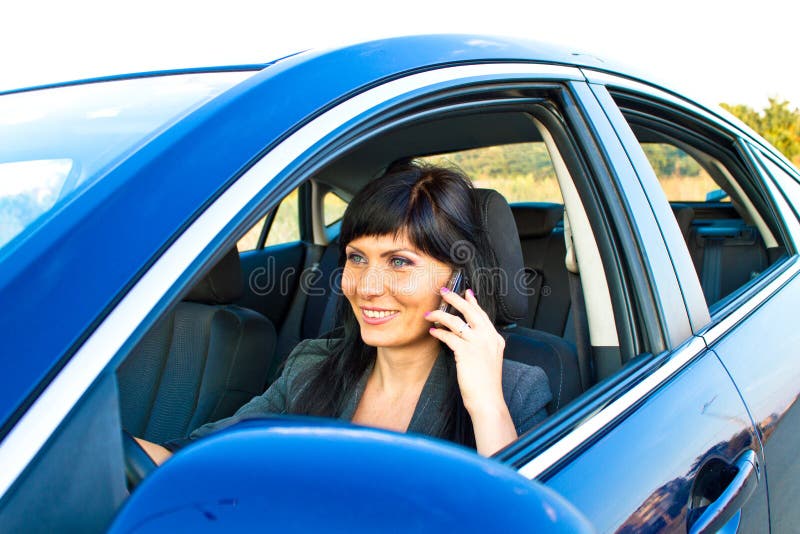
{"points": [[525, 388]]}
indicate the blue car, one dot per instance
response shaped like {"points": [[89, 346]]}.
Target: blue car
{"points": [[167, 238]]}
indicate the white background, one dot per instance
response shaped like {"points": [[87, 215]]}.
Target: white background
{"points": [[719, 51]]}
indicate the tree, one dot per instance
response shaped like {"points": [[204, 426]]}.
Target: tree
{"points": [[776, 123]]}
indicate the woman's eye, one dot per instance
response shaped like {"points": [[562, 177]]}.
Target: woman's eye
{"points": [[356, 258], [400, 262]]}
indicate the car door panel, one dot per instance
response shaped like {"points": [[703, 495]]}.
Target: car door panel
{"points": [[651, 460], [761, 354]]}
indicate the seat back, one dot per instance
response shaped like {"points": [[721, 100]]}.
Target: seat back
{"points": [[199, 363], [555, 355], [727, 252]]}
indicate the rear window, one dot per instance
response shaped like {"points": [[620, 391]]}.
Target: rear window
{"points": [[55, 142]]}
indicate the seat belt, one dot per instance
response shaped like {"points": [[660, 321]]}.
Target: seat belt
{"points": [[289, 335], [712, 269], [583, 344], [534, 279], [536, 275]]}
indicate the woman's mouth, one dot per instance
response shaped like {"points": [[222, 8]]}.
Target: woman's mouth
{"points": [[372, 316]]}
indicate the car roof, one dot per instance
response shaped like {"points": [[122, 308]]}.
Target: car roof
{"points": [[59, 284]]}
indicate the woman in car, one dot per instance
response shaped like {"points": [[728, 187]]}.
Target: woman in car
{"points": [[399, 361]]}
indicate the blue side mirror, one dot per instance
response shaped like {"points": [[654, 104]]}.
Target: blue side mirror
{"points": [[308, 475], [717, 195]]}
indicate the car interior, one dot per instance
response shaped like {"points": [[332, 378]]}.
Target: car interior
{"points": [[226, 340]]}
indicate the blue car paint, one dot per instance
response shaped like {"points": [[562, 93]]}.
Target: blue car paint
{"points": [[62, 282], [768, 382], [353, 478], [145, 74], [695, 417]]}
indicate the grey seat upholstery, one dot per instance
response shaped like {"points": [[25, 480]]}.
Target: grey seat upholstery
{"points": [[555, 355], [541, 233], [726, 251], [199, 363]]}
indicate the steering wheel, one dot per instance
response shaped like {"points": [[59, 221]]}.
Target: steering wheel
{"points": [[138, 463]]}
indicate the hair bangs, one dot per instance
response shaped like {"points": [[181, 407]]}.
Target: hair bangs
{"points": [[401, 203]]}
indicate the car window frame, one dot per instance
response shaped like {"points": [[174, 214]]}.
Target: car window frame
{"points": [[751, 294], [779, 193], [202, 242]]}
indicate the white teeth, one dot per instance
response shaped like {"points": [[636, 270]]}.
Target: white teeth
{"points": [[378, 314]]}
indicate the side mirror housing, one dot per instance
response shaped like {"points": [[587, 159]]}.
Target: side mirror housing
{"points": [[306, 474], [717, 195]]}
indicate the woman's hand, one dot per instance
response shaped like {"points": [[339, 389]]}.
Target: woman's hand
{"points": [[478, 350], [156, 452]]}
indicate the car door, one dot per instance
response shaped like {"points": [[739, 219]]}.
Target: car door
{"points": [[750, 329], [758, 345], [664, 443]]}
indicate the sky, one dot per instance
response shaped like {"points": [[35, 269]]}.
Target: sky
{"points": [[718, 51]]}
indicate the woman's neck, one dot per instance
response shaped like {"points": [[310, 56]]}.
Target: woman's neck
{"points": [[397, 369]]}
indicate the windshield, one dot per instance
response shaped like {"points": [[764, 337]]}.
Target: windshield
{"points": [[55, 142]]}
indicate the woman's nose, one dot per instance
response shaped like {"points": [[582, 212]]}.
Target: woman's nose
{"points": [[372, 282]]}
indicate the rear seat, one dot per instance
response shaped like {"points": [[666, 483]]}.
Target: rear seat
{"points": [[726, 252], [541, 234]]}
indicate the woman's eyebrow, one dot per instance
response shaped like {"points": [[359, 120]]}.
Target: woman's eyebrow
{"points": [[386, 253], [395, 251]]}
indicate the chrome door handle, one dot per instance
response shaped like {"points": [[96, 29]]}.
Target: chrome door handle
{"points": [[732, 498]]}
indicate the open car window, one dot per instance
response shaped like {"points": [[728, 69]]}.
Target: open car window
{"points": [[521, 172], [526, 155]]}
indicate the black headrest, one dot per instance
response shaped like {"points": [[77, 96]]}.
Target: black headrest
{"points": [[499, 223], [222, 284], [536, 219]]}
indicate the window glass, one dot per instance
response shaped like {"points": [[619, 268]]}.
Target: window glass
{"points": [[54, 142], [250, 240], [729, 239], [788, 183], [286, 225], [28, 189], [522, 172], [681, 176], [332, 208]]}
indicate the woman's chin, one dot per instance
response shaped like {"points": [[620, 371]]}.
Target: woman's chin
{"points": [[376, 338]]}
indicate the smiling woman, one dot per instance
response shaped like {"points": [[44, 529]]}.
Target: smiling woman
{"points": [[389, 367]]}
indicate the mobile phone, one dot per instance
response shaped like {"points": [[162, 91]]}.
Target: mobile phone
{"points": [[456, 285]]}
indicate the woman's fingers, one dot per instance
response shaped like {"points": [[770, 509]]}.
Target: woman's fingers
{"points": [[456, 325], [470, 309], [451, 339]]}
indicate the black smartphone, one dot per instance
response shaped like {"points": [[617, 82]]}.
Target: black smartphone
{"points": [[456, 285]]}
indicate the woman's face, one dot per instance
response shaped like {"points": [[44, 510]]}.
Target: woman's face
{"points": [[391, 286]]}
